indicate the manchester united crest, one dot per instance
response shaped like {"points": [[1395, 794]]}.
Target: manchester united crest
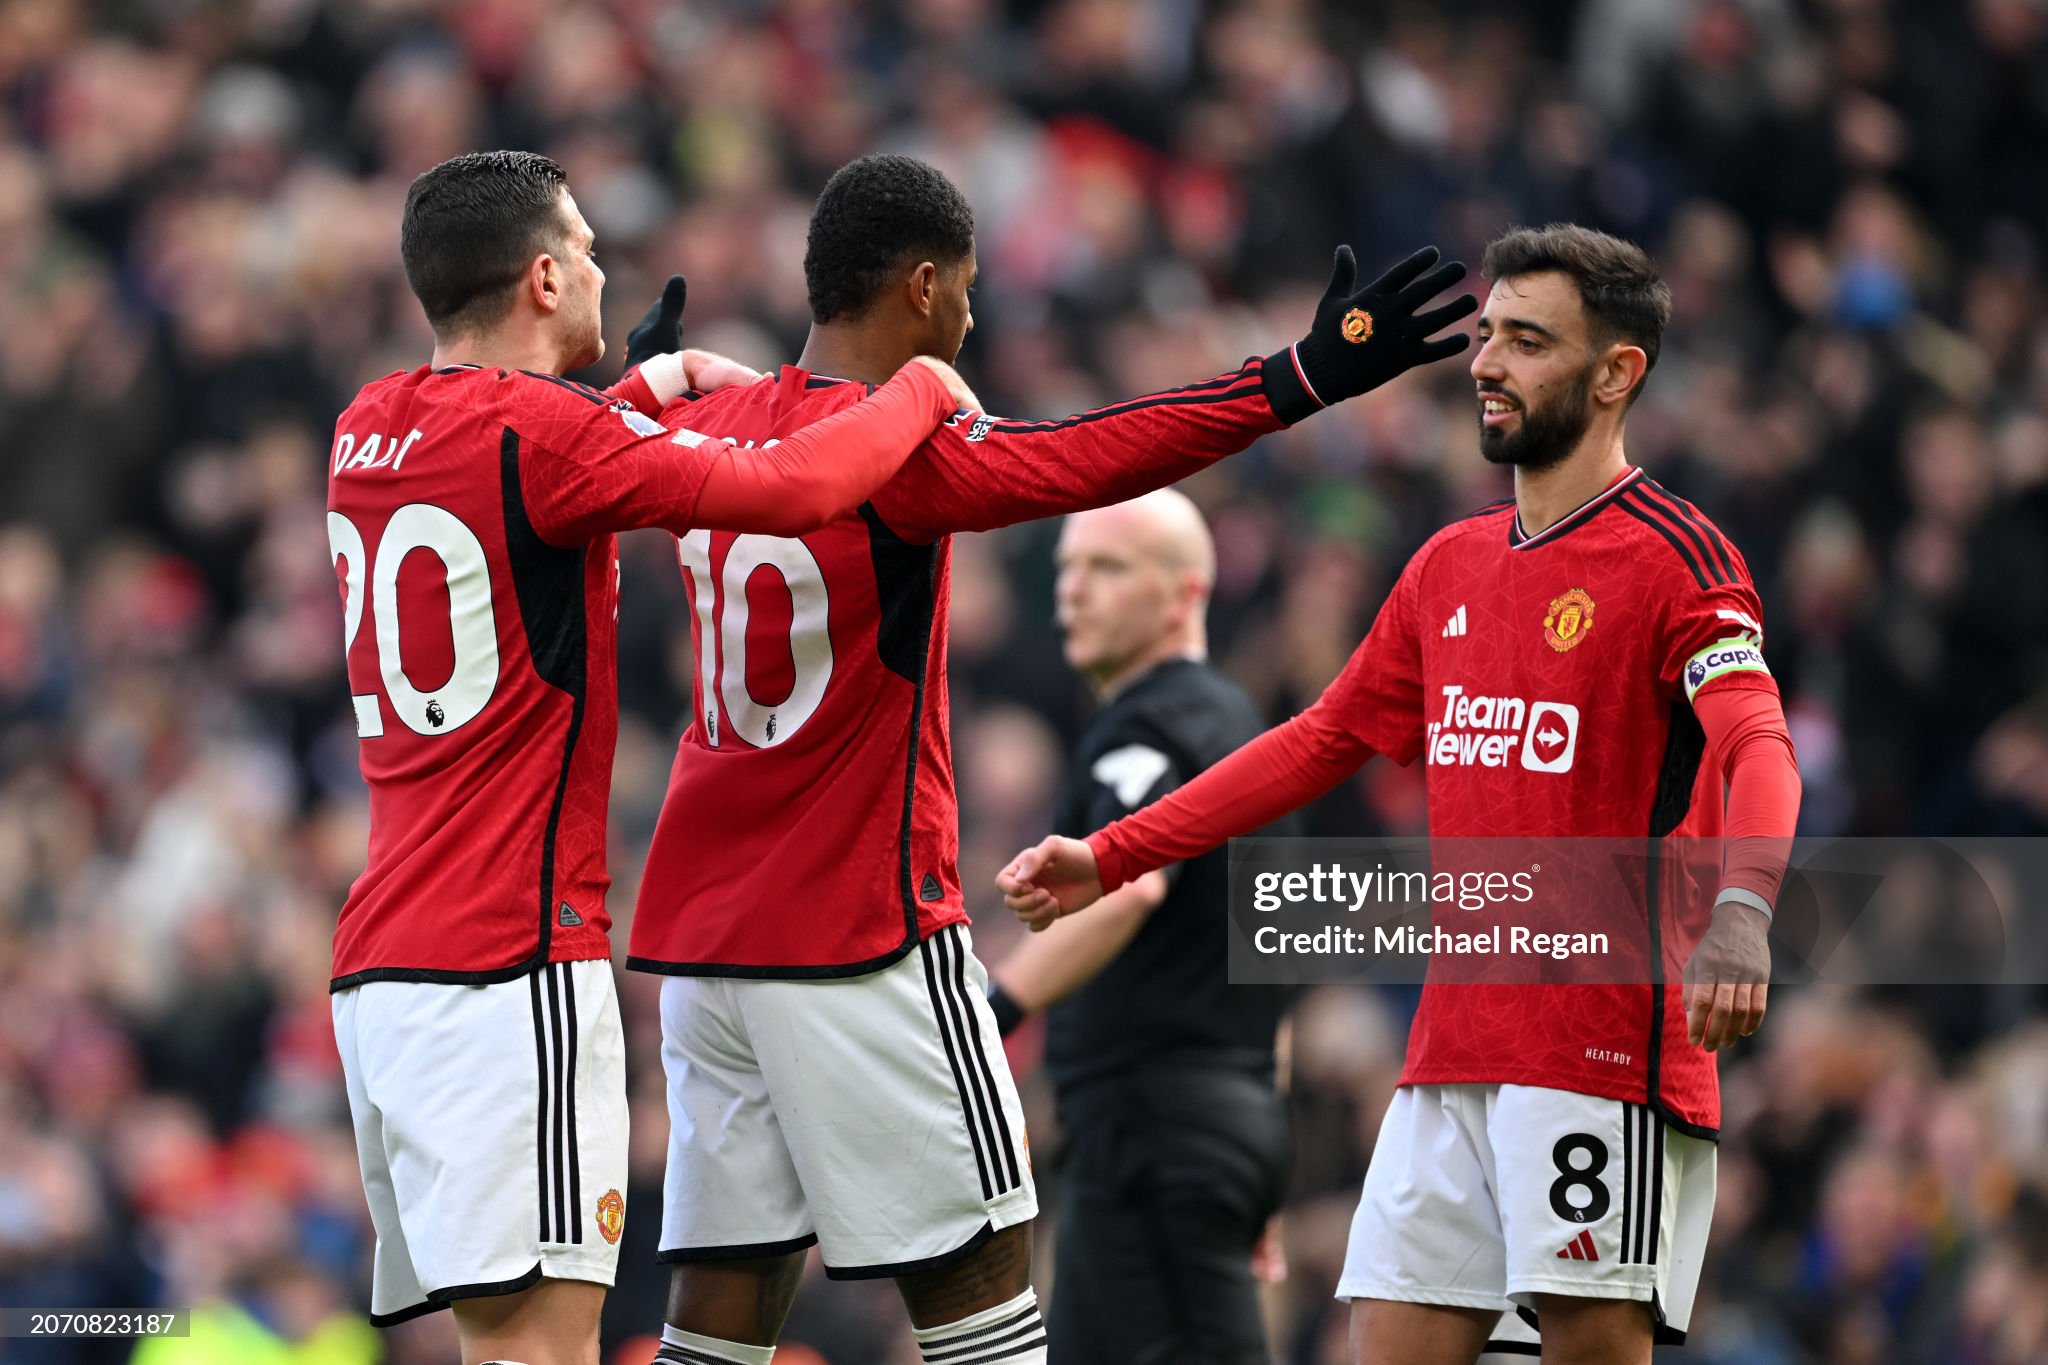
{"points": [[1571, 616], [1357, 325], [611, 1216]]}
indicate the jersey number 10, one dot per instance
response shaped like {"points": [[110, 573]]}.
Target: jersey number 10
{"points": [[473, 623], [720, 600]]}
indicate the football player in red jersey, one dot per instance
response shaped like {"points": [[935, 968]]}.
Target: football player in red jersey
{"points": [[471, 509], [835, 1076], [1582, 660]]}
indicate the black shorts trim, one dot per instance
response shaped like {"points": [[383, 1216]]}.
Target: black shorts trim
{"points": [[496, 976], [744, 1251], [756, 973], [1511, 1348], [441, 1298], [938, 1262]]}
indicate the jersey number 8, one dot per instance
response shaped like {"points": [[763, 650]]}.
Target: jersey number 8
{"points": [[473, 624]]}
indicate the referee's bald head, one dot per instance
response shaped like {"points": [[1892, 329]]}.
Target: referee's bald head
{"points": [[1164, 525]]}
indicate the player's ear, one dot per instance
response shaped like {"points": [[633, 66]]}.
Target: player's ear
{"points": [[1619, 374], [923, 285], [544, 282]]}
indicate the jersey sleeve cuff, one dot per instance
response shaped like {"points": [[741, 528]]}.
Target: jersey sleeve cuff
{"points": [[1287, 389], [1735, 895]]}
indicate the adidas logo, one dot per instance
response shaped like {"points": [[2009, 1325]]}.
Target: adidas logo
{"points": [[567, 916], [1580, 1248], [1456, 625]]}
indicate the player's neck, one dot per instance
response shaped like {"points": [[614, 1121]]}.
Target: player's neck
{"points": [[852, 351], [1544, 497], [503, 349]]}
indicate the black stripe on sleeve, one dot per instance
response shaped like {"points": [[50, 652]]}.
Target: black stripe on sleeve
{"points": [[1717, 543], [1167, 400], [1668, 514], [1629, 506], [931, 980]]}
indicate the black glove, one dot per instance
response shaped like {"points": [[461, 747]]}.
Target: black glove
{"points": [[1361, 340], [660, 330]]}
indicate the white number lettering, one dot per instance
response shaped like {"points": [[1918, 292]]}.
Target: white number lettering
{"points": [[472, 621], [721, 605]]}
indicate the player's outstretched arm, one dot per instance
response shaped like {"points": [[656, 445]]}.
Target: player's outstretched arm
{"points": [[833, 466], [1285, 768], [981, 471], [589, 468]]}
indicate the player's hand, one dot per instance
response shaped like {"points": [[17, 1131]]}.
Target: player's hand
{"points": [[1051, 878], [660, 329], [1362, 338], [1728, 979], [955, 385], [705, 371]]}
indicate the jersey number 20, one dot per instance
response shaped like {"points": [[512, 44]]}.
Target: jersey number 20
{"points": [[721, 602], [473, 624]]}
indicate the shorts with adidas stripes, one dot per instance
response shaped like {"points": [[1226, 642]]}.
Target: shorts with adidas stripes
{"points": [[1485, 1196], [871, 1115], [491, 1130]]}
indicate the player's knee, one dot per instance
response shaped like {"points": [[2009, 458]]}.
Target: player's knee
{"points": [[992, 1274], [1580, 1331], [742, 1301]]}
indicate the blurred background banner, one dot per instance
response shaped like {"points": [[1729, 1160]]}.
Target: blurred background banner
{"points": [[199, 205]]}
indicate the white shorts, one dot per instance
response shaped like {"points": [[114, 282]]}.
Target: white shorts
{"points": [[491, 1127], [1485, 1196], [872, 1115]]}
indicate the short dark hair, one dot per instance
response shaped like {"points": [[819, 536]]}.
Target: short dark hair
{"points": [[472, 226], [1624, 296], [877, 215]]}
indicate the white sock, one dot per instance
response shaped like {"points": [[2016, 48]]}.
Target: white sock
{"points": [[687, 1348], [1008, 1334]]}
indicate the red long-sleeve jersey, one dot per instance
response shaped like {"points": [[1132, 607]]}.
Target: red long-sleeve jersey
{"points": [[810, 828], [1558, 685], [471, 516]]}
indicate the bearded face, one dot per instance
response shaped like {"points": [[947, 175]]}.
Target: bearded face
{"points": [[1511, 432]]}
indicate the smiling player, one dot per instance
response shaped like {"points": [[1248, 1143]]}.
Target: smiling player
{"points": [[1549, 1155]]}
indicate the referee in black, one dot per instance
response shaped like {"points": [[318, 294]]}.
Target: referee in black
{"points": [[1178, 1143]]}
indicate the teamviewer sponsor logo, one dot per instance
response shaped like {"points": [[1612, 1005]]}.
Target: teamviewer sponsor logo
{"points": [[1492, 732]]}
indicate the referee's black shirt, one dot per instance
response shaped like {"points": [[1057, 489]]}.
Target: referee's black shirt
{"points": [[1165, 997]]}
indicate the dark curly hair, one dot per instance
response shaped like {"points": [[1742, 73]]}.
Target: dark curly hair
{"points": [[877, 215], [472, 225], [1624, 296]]}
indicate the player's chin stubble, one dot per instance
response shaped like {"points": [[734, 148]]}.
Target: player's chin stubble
{"points": [[1548, 433]]}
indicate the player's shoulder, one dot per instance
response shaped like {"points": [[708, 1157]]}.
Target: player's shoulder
{"points": [[1677, 535], [789, 390], [1494, 519]]}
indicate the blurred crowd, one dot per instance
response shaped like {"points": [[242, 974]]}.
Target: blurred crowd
{"points": [[199, 204]]}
